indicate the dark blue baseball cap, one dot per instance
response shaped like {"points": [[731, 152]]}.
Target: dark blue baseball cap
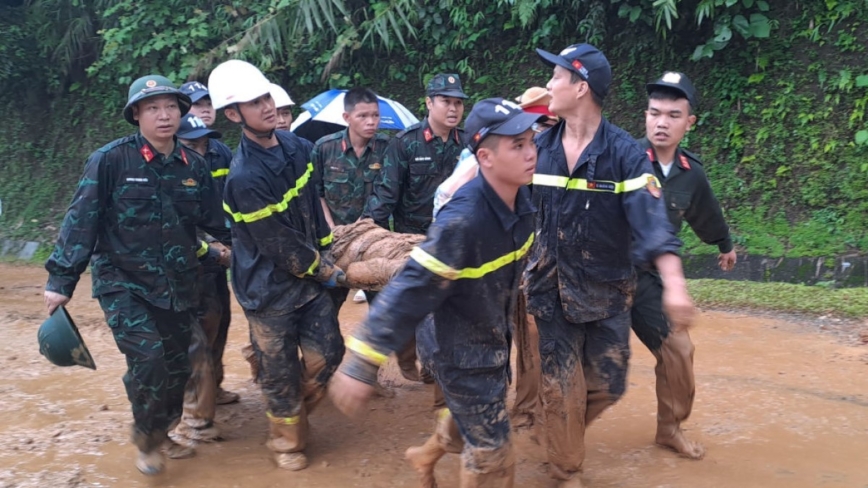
{"points": [[586, 61], [195, 90], [680, 83], [192, 127], [496, 116]]}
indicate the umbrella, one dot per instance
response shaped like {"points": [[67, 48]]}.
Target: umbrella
{"points": [[324, 115]]}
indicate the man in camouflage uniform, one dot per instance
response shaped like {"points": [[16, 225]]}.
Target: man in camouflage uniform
{"points": [[215, 313], [416, 162], [135, 213], [348, 162]]}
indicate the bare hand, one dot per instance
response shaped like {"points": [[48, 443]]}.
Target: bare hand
{"points": [[225, 258], [53, 300], [678, 307], [348, 394], [726, 261]]}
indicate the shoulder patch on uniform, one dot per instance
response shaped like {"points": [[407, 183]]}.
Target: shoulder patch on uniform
{"points": [[115, 143]]}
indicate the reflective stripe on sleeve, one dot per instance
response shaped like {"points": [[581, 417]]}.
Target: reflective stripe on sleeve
{"points": [[203, 250], [365, 351], [582, 184], [439, 268], [217, 173], [274, 207], [325, 241]]}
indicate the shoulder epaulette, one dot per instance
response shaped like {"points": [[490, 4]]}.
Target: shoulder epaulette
{"points": [[404, 132], [693, 158], [115, 143]]}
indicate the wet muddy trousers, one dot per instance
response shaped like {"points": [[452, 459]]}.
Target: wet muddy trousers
{"points": [[487, 457], [584, 371], [155, 343], [527, 368], [206, 351], [673, 350], [292, 387]]}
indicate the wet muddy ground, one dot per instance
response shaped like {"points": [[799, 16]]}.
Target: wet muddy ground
{"points": [[780, 402]]}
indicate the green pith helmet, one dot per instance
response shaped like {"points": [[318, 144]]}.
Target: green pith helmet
{"points": [[60, 342], [152, 86]]}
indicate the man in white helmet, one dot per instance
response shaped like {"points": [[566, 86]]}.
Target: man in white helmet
{"points": [[283, 104], [280, 269]]}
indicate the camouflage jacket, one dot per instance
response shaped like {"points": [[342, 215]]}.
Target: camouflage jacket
{"points": [[278, 227], [415, 164], [135, 213], [346, 181]]}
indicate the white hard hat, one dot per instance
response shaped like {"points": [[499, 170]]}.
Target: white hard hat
{"points": [[281, 98], [236, 81]]}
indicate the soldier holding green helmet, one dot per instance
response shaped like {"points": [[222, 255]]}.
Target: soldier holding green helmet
{"points": [[134, 217]]}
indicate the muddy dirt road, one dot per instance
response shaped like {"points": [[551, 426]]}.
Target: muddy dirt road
{"points": [[778, 404]]}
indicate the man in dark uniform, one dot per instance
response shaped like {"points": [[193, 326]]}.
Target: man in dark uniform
{"points": [[416, 162], [280, 269], [216, 307], [596, 195], [348, 163], [467, 273], [135, 213], [688, 196]]}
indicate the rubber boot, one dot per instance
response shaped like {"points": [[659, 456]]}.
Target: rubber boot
{"points": [[485, 468], [287, 439], [446, 439]]}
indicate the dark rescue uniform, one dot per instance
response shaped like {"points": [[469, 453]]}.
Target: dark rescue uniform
{"points": [[467, 273], [134, 216], [415, 164], [278, 233], [580, 278], [688, 197]]}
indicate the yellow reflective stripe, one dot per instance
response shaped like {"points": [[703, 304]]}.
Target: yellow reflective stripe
{"points": [[582, 184], [443, 414], [283, 420], [313, 266], [217, 173], [203, 250], [325, 241], [365, 351], [274, 207], [437, 267]]}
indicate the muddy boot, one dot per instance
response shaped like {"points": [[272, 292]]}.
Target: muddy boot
{"points": [[174, 450], [225, 397], [287, 438], [446, 439], [407, 363], [675, 391], [483, 468], [189, 435], [151, 463]]}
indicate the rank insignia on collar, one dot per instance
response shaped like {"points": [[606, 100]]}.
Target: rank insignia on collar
{"points": [[146, 153], [653, 187], [684, 163], [429, 136], [189, 182]]}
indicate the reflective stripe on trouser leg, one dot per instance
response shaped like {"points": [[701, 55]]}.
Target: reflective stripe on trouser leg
{"points": [[287, 434]]}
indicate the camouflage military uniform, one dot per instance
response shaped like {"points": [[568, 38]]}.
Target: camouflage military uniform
{"points": [[415, 164], [135, 212], [346, 181]]}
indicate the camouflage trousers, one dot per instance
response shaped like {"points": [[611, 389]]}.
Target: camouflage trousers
{"points": [[206, 349], [292, 386], [584, 371], [155, 342]]}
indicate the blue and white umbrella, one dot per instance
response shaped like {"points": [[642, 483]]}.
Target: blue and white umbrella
{"points": [[328, 107]]}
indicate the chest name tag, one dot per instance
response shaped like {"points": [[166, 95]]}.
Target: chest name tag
{"points": [[137, 180], [422, 159], [601, 185]]}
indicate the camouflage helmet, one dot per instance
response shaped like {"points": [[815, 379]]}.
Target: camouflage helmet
{"points": [[152, 86], [60, 342]]}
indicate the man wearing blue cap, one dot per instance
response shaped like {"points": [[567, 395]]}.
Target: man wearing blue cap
{"points": [[600, 211], [135, 212], [672, 100], [466, 273], [217, 305]]}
